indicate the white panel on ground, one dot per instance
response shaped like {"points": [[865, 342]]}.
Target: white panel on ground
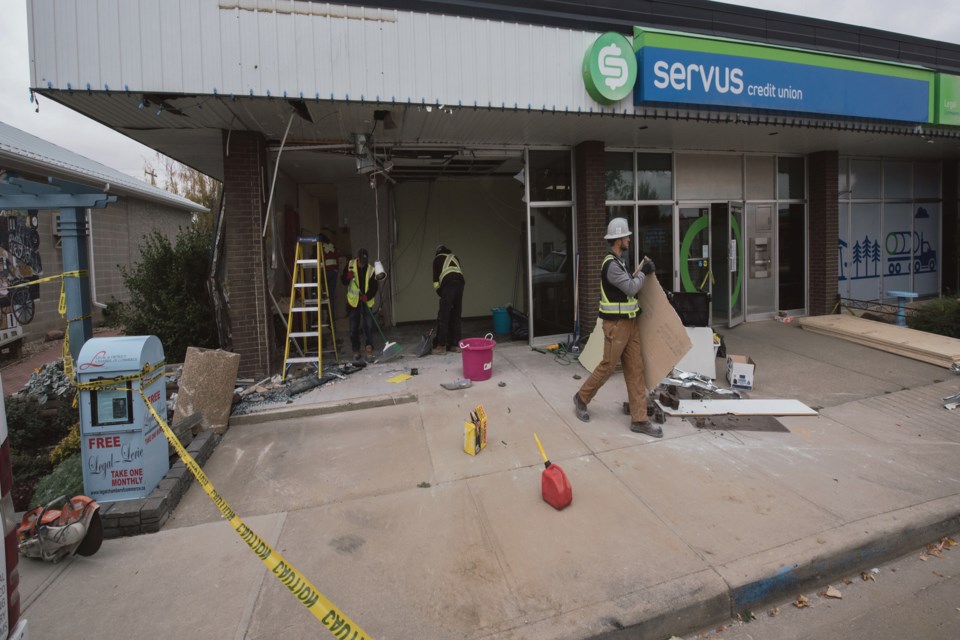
{"points": [[751, 407], [700, 358]]}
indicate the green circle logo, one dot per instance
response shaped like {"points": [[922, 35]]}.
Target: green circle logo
{"points": [[610, 68]]}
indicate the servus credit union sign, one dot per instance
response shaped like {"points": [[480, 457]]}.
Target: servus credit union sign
{"points": [[676, 68]]}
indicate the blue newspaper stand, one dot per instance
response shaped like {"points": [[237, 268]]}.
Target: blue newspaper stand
{"points": [[123, 447]]}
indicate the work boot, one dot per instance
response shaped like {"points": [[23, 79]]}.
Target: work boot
{"points": [[454, 349], [647, 428], [580, 407], [370, 355], [439, 351]]}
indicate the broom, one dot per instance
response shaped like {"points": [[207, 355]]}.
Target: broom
{"points": [[390, 349]]}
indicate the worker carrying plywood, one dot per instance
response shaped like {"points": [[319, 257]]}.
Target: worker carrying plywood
{"points": [[448, 282], [619, 311]]}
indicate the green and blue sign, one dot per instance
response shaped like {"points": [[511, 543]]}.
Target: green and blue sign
{"points": [[609, 68], [682, 69]]}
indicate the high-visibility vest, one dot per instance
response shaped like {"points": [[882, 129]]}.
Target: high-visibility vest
{"points": [[626, 308], [353, 290], [450, 265]]}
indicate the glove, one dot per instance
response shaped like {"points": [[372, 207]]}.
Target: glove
{"points": [[647, 267], [363, 297]]}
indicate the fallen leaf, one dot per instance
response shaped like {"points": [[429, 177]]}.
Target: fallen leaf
{"points": [[938, 574], [773, 613], [949, 542], [924, 558], [801, 602], [866, 576], [834, 593], [847, 581], [721, 629]]}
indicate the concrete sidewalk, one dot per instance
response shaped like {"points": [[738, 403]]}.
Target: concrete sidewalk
{"points": [[364, 487]]}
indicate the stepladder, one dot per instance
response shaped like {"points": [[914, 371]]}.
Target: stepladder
{"points": [[311, 332]]}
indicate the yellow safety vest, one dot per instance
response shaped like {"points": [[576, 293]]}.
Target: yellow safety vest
{"points": [[353, 290], [450, 265], [626, 309]]}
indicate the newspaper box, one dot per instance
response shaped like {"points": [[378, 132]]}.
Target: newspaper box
{"points": [[123, 447]]}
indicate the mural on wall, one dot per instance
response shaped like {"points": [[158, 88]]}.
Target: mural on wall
{"points": [[908, 259], [19, 263]]}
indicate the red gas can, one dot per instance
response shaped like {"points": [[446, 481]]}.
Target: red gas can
{"points": [[555, 487]]}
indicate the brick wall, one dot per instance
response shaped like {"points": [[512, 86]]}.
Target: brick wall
{"points": [[251, 322], [824, 230], [950, 216], [591, 227], [117, 230]]}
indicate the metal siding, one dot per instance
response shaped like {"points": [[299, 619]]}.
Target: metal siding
{"points": [[249, 43], [321, 55], [111, 72], [392, 60], [151, 62], [67, 45], [172, 43], [131, 68], [88, 50], [303, 54], [268, 38], [191, 39], [231, 81], [43, 44], [339, 59], [211, 62]]}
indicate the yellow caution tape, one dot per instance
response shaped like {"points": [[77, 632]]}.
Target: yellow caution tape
{"points": [[329, 616]]}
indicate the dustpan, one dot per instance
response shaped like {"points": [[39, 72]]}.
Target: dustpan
{"points": [[426, 343]]}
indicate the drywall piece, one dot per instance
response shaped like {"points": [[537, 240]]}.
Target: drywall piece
{"points": [[206, 386], [700, 358], [747, 407], [663, 338]]}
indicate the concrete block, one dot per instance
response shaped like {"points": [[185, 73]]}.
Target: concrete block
{"points": [[206, 386]]}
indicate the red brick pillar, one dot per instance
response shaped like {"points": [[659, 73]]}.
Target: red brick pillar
{"points": [[823, 212], [591, 227], [251, 317], [950, 225]]}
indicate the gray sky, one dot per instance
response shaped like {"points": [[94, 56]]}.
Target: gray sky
{"points": [[933, 19]]}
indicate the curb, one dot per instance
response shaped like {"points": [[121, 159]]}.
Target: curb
{"points": [[324, 408]]}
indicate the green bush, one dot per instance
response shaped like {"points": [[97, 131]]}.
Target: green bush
{"points": [[940, 316], [168, 293], [68, 446], [66, 479], [30, 427]]}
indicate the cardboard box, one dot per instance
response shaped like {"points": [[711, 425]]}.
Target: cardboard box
{"points": [[740, 371], [475, 432]]}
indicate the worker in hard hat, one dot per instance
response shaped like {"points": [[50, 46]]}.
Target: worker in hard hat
{"points": [[619, 313], [361, 291], [448, 282]]}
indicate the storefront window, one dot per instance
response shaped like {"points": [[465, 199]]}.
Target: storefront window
{"points": [[896, 180], [654, 176], [550, 176], [655, 230], [927, 183], [790, 179], [618, 175], [864, 179]]}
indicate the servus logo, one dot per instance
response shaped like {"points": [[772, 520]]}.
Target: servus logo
{"points": [[609, 68]]}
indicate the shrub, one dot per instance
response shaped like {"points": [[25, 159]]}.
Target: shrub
{"points": [[34, 427], [168, 293], [66, 479], [940, 316], [67, 447], [27, 470]]}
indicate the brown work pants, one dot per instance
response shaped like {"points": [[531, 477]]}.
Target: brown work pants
{"points": [[621, 343]]}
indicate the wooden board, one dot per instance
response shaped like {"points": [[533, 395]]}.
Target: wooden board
{"points": [[747, 407], [910, 343], [663, 338]]}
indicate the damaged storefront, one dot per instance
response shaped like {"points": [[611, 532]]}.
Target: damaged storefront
{"points": [[775, 163]]}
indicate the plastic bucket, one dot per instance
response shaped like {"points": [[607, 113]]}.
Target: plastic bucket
{"points": [[477, 356], [501, 321]]}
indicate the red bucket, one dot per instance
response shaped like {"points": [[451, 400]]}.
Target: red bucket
{"points": [[477, 356]]}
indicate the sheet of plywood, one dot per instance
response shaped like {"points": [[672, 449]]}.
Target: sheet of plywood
{"points": [[910, 343], [745, 407], [663, 337]]}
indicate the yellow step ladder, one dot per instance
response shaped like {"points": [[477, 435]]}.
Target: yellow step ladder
{"points": [[310, 313]]}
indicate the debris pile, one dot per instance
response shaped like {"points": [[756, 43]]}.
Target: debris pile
{"points": [[47, 383], [273, 391]]}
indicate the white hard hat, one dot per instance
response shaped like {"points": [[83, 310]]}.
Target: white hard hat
{"points": [[618, 228]]}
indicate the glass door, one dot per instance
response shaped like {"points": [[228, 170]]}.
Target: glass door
{"points": [[694, 258], [734, 267]]}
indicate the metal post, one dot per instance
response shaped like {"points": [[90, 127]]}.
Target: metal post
{"points": [[73, 234]]}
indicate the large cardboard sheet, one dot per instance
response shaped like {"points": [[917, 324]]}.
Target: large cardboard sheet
{"points": [[663, 337]]}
